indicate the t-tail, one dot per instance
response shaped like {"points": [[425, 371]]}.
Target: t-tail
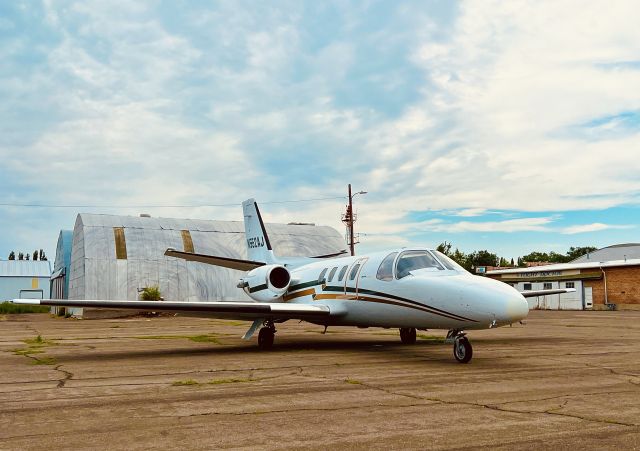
{"points": [[258, 245]]}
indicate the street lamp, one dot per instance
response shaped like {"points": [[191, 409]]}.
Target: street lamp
{"points": [[349, 219]]}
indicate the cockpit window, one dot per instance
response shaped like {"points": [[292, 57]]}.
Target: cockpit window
{"points": [[343, 271], [413, 260], [332, 273], [322, 274], [448, 262], [385, 270]]}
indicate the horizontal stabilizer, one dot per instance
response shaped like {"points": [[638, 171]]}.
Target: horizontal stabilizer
{"points": [[534, 293], [241, 310], [225, 262]]}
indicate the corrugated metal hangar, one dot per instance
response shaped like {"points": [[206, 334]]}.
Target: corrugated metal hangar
{"points": [[113, 257], [24, 279], [608, 278]]}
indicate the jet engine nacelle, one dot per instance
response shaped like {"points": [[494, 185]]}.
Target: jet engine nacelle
{"points": [[266, 283]]}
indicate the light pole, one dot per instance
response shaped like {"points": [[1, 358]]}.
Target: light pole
{"points": [[349, 218]]}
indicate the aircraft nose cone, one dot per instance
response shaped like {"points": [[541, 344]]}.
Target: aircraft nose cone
{"points": [[517, 307]]}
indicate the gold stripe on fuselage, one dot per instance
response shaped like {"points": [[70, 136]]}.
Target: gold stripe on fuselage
{"points": [[298, 294]]}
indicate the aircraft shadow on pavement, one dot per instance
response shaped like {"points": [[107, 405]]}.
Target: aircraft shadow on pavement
{"points": [[250, 348], [422, 349]]}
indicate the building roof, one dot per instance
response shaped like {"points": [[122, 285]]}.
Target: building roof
{"points": [[24, 268], [567, 266], [288, 240], [615, 252]]}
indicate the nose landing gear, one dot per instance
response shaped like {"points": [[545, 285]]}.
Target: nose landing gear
{"points": [[462, 349]]}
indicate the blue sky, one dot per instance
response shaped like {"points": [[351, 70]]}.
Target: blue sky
{"points": [[487, 124]]}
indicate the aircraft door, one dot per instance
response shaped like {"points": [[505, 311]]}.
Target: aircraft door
{"points": [[352, 278]]}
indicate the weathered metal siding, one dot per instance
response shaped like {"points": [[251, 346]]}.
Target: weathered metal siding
{"points": [[97, 273], [26, 279]]}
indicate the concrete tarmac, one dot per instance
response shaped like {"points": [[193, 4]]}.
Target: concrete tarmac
{"points": [[564, 380]]}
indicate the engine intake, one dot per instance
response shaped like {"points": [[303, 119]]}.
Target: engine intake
{"points": [[266, 283]]}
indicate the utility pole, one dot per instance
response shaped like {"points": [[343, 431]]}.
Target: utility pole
{"points": [[349, 218]]}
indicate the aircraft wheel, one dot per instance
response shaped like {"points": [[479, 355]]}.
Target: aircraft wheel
{"points": [[408, 335], [265, 338], [462, 350]]}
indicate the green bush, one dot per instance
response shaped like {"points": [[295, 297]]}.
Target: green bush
{"points": [[8, 307], [151, 294]]}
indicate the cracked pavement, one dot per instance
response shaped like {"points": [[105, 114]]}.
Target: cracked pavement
{"points": [[566, 379]]}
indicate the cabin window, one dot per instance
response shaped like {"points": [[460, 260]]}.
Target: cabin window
{"points": [[343, 271], [527, 287], [354, 272], [547, 286], [322, 274], [570, 285], [385, 270], [332, 273], [414, 260]]}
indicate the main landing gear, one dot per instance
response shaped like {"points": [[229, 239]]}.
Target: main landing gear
{"points": [[266, 335], [462, 349], [408, 335]]}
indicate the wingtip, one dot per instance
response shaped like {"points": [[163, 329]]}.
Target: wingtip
{"points": [[25, 301]]}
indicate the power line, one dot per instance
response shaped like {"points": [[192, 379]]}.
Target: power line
{"points": [[164, 206]]}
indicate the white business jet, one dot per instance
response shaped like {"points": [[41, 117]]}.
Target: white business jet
{"points": [[408, 288]]}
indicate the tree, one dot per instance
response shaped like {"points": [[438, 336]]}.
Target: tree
{"points": [[20, 256], [28, 256], [512, 261], [43, 257], [577, 252], [461, 259], [35, 255], [445, 248], [482, 258], [12, 255]]}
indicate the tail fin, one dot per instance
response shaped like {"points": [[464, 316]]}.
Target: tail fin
{"points": [[258, 244]]}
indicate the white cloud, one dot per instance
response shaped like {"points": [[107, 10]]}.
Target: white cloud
{"points": [[510, 225], [594, 227]]}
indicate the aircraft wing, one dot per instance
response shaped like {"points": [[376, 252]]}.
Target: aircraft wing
{"points": [[534, 293], [239, 310]]}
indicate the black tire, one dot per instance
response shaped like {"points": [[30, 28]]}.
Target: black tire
{"points": [[265, 338], [408, 335], [462, 350]]}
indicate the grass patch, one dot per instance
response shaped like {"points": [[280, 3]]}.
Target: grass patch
{"points": [[204, 339], [197, 338], [432, 338], [8, 308], [353, 381], [185, 382], [38, 342], [26, 352], [233, 323], [229, 381], [44, 360]]}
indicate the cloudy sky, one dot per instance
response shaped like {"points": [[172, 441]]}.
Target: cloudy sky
{"points": [[511, 126]]}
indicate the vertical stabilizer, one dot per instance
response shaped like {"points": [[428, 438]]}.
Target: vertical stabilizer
{"points": [[258, 244]]}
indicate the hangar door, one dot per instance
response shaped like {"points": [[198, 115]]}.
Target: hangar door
{"points": [[565, 301]]}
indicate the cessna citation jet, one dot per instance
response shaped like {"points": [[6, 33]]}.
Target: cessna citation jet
{"points": [[409, 289]]}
